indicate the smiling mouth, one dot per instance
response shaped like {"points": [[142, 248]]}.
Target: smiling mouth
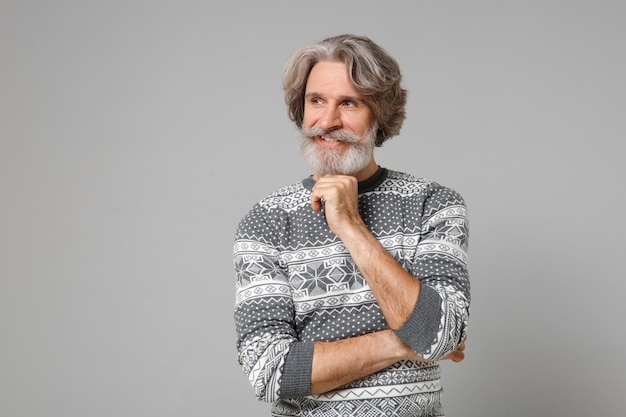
{"points": [[330, 137]]}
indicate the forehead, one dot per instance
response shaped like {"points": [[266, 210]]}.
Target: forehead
{"points": [[330, 78]]}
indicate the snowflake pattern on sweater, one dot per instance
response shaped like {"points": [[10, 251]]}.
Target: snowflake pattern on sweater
{"points": [[297, 284]]}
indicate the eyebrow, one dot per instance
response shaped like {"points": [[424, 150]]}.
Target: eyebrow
{"points": [[341, 98]]}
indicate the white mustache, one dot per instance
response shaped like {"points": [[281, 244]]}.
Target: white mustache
{"points": [[342, 135]]}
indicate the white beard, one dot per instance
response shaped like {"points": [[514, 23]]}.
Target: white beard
{"points": [[348, 160]]}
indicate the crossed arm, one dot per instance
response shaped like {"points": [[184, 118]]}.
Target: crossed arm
{"points": [[268, 349], [396, 290]]}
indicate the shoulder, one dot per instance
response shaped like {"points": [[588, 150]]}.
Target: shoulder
{"points": [[413, 183], [405, 180], [270, 209], [286, 198], [432, 193]]}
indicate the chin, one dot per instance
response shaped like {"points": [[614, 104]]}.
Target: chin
{"points": [[341, 160]]}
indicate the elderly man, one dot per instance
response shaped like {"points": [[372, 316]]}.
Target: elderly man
{"points": [[352, 283]]}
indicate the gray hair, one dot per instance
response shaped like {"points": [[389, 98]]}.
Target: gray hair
{"points": [[374, 74]]}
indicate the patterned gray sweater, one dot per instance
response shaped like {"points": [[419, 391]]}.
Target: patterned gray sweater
{"points": [[296, 284]]}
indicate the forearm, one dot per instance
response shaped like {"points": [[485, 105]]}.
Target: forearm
{"points": [[340, 362], [412, 309], [395, 289]]}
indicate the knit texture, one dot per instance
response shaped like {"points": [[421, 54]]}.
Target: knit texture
{"points": [[296, 284]]}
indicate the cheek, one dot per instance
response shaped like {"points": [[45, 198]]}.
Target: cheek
{"points": [[308, 119], [359, 126], [305, 122]]}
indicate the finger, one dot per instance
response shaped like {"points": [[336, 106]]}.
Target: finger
{"points": [[317, 203], [317, 198]]}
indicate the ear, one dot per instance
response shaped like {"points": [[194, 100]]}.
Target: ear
{"points": [[381, 135]]}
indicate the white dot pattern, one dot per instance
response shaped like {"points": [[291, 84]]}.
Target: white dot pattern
{"points": [[296, 282]]}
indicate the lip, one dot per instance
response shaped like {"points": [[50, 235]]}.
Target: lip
{"points": [[334, 144]]}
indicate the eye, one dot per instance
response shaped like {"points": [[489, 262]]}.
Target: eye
{"points": [[315, 100], [349, 103]]}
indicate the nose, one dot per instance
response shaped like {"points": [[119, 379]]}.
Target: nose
{"points": [[330, 118]]}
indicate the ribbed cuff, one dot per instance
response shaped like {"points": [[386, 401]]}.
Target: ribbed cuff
{"points": [[420, 330], [296, 378]]}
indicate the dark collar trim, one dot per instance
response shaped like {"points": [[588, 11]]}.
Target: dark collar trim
{"points": [[364, 186]]}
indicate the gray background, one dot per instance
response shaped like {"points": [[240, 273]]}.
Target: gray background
{"points": [[134, 136]]}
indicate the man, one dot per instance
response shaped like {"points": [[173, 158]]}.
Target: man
{"points": [[351, 284]]}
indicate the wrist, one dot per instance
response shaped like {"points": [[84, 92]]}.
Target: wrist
{"points": [[396, 348]]}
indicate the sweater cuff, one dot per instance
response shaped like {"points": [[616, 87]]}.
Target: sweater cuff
{"points": [[296, 378], [420, 330]]}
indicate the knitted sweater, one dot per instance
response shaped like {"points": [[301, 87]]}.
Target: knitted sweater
{"points": [[297, 284]]}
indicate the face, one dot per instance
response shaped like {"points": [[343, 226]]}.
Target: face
{"points": [[338, 128]]}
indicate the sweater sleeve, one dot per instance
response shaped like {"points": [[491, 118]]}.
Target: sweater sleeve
{"points": [[296, 381], [439, 319], [276, 363]]}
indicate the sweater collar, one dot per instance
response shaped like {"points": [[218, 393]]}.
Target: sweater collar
{"points": [[364, 186]]}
